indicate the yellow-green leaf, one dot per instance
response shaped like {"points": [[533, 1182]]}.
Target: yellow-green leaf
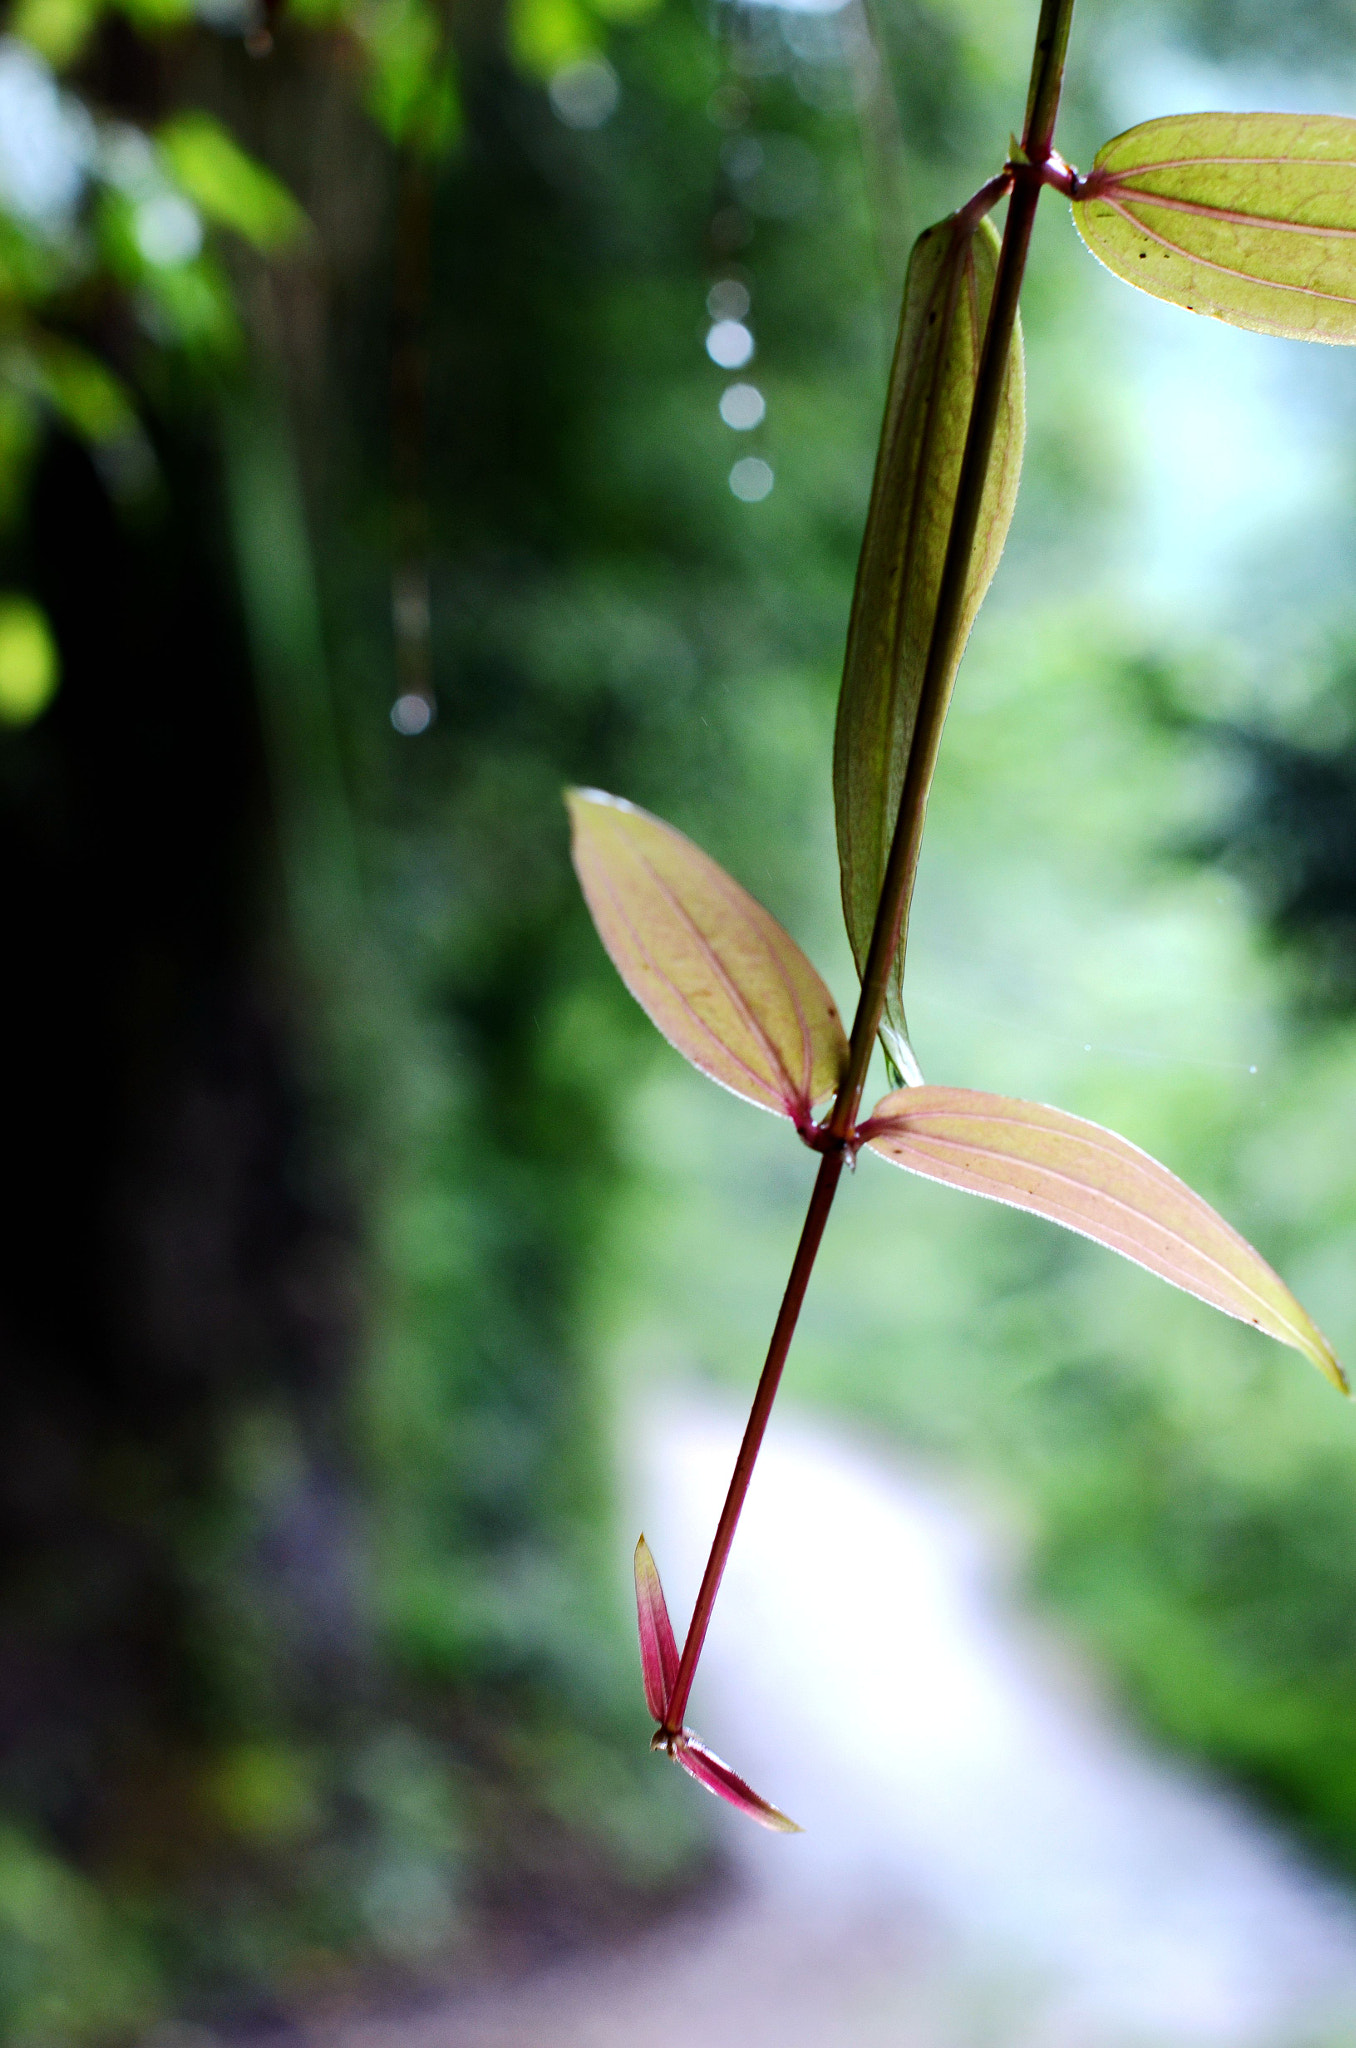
{"points": [[90, 399], [927, 412], [1100, 1185], [545, 35], [59, 29], [412, 92], [30, 666], [232, 189], [1248, 217], [718, 975]]}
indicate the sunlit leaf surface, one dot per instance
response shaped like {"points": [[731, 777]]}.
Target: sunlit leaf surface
{"points": [[946, 305], [1093, 1182], [658, 1647], [700, 1763], [1248, 217], [722, 980]]}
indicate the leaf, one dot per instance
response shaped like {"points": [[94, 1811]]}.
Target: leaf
{"points": [[658, 1647], [30, 663], [412, 94], [545, 35], [91, 401], [702, 1764], [1100, 1185], [231, 189], [59, 29], [659, 1667], [1250, 218], [721, 979], [927, 413]]}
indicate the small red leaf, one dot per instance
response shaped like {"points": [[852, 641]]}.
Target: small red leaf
{"points": [[658, 1647], [699, 1763]]}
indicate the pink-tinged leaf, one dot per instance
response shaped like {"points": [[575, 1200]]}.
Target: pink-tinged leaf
{"points": [[1100, 1185], [658, 1647], [700, 1763], [724, 983]]}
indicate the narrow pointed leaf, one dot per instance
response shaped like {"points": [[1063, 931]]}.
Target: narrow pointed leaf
{"points": [[724, 983], [1100, 1185], [658, 1646], [1248, 217], [700, 1763], [927, 412]]}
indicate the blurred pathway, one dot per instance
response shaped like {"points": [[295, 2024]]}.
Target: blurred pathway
{"points": [[989, 1857]]}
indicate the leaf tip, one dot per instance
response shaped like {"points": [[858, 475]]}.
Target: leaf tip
{"points": [[1332, 1368], [1311, 1341], [708, 1769], [575, 797]]}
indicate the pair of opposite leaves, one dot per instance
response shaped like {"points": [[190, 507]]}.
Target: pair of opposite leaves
{"points": [[732, 991], [1248, 217]]}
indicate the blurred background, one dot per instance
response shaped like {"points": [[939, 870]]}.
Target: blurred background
{"points": [[406, 410]]}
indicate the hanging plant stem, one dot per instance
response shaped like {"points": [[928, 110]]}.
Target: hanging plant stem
{"points": [[1023, 179]]}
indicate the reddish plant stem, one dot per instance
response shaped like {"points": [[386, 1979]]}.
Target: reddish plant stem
{"points": [[836, 1135], [816, 1216]]}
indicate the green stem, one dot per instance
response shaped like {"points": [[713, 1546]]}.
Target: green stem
{"points": [[1047, 74], [1047, 78]]}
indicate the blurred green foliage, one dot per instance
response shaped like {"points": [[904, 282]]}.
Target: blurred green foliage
{"points": [[359, 358]]}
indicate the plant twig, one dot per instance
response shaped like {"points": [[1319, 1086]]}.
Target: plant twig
{"points": [[1047, 74]]}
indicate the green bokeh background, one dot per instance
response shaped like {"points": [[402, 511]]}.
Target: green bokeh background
{"points": [[353, 1209]]}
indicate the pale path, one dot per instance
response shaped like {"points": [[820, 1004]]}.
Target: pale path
{"points": [[989, 1856]]}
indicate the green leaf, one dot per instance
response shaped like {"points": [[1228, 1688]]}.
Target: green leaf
{"points": [[93, 402], [59, 29], [927, 412], [545, 35], [232, 190], [153, 17], [1102, 1186], [1250, 218], [30, 666], [412, 93], [721, 979]]}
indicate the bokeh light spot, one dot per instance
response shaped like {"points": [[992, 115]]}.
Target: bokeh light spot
{"points": [[411, 714], [168, 230], [730, 344], [751, 478], [742, 406], [585, 94], [30, 667], [46, 139]]}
